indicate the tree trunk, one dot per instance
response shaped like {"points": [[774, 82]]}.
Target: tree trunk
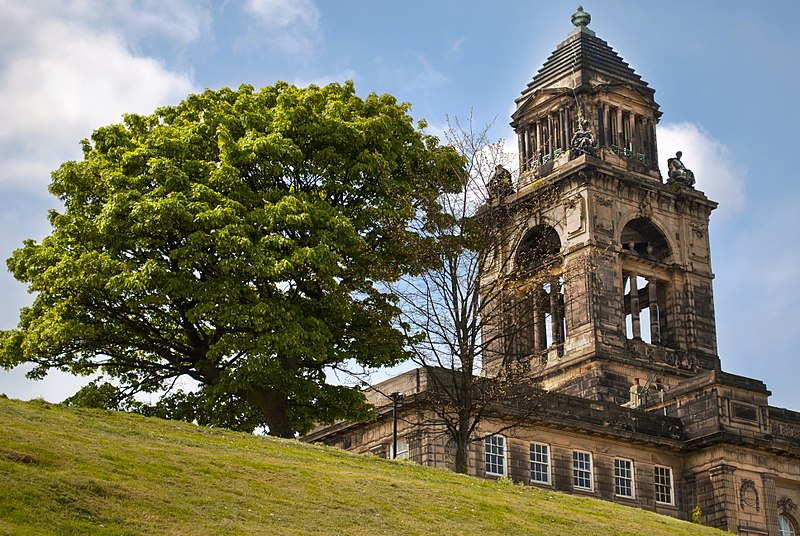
{"points": [[462, 441], [464, 381], [462, 453], [273, 406]]}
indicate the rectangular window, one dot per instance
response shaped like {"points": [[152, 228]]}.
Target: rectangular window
{"points": [[495, 451], [582, 470], [402, 450], [663, 481], [623, 478], [540, 463]]}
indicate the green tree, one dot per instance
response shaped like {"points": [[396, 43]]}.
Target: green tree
{"points": [[241, 238], [95, 395]]}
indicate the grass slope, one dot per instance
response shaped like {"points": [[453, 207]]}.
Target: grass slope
{"points": [[67, 471]]}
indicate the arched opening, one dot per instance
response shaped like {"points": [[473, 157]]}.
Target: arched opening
{"points": [[538, 310], [641, 237], [645, 294], [539, 248]]}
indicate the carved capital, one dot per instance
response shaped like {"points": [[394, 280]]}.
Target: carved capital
{"points": [[721, 469]]}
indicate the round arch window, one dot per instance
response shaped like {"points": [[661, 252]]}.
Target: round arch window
{"points": [[786, 526], [540, 247]]}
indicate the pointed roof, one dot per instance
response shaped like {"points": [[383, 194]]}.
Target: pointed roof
{"points": [[585, 59]]}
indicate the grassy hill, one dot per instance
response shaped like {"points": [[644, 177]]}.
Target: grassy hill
{"points": [[67, 471]]}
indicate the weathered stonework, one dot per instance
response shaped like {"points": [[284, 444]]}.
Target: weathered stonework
{"points": [[632, 257]]}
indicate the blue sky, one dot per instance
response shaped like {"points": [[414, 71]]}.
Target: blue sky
{"points": [[725, 75]]}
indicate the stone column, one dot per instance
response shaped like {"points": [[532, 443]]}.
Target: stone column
{"points": [[555, 317], [539, 326], [558, 120], [538, 151], [655, 327], [528, 146], [724, 516], [653, 144], [635, 324], [523, 158], [632, 132], [620, 143], [568, 126], [770, 503]]}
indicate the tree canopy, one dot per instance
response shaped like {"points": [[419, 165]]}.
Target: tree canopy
{"points": [[239, 238]]}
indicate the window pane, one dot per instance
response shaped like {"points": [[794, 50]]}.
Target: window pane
{"points": [[663, 482], [786, 526], [495, 450], [582, 470], [402, 449], [623, 478], [540, 463]]}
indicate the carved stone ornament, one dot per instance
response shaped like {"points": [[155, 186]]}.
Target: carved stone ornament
{"points": [[646, 206], [575, 215], [785, 430], [786, 505], [748, 495], [604, 214], [605, 201]]}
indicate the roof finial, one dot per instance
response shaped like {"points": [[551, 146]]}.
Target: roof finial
{"points": [[581, 17]]}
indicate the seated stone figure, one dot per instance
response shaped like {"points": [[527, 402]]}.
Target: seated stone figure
{"points": [[678, 172], [583, 141], [500, 183]]}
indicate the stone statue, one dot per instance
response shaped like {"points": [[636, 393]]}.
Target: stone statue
{"points": [[583, 141], [678, 172], [500, 183], [635, 393]]}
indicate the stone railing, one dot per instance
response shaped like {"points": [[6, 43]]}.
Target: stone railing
{"points": [[659, 354]]}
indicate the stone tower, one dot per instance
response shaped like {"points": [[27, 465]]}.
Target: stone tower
{"points": [[598, 273], [608, 264]]}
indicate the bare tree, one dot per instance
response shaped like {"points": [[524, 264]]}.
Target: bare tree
{"points": [[467, 314]]}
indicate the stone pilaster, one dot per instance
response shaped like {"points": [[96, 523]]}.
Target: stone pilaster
{"points": [[690, 499], [770, 503], [722, 483]]}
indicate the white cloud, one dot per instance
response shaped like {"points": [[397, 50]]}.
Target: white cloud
{"points": [[427, 76], [291, 25], [756, 295], [715, 169], [60, 78], [55, 387], [324, 80], [455, 46], [140, 21]]}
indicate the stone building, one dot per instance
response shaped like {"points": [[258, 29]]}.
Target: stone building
{"points": [[621, 333]]}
